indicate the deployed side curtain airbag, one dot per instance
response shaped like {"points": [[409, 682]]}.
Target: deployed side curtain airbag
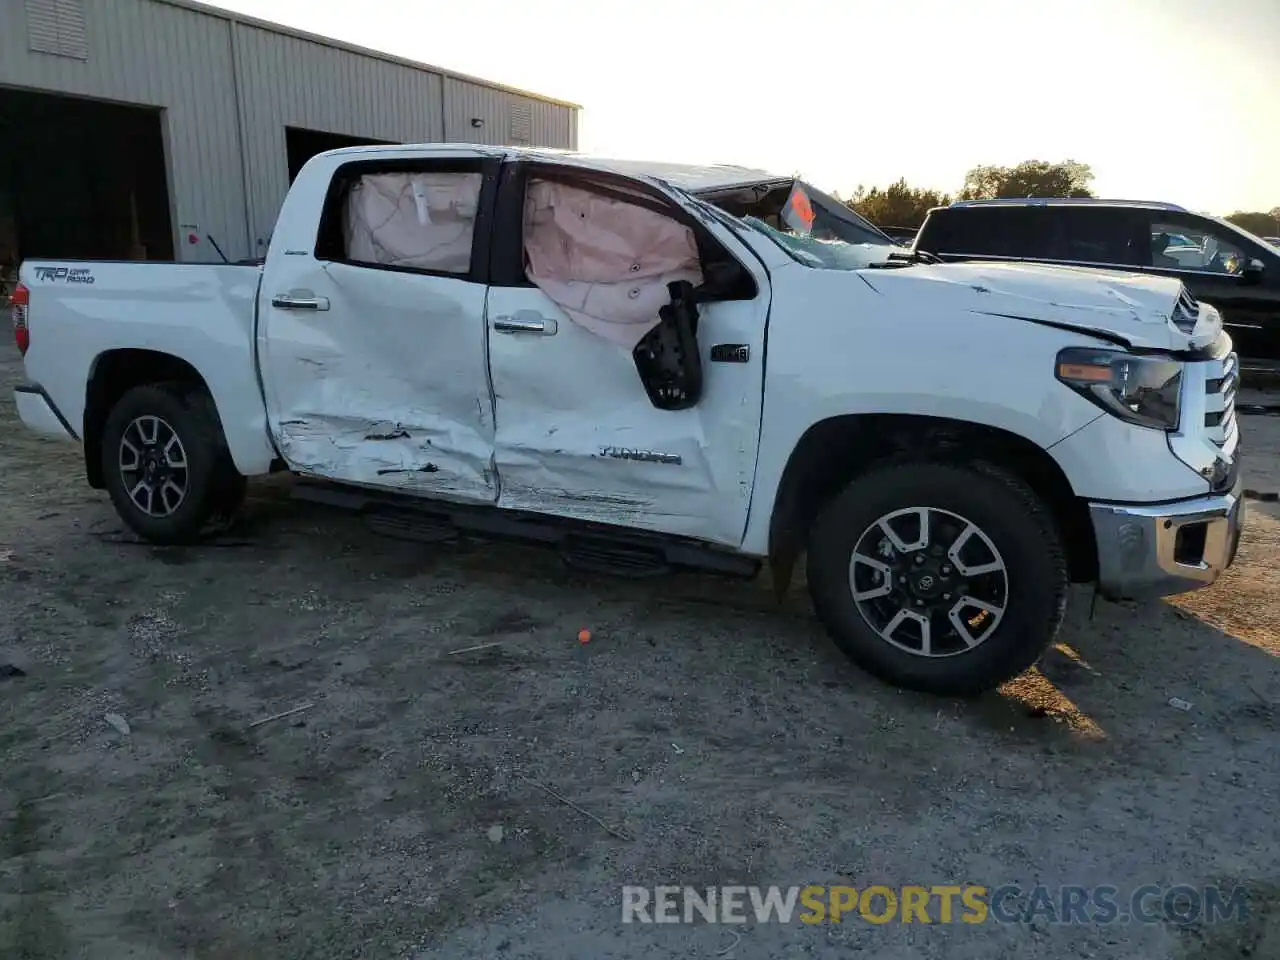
{"points": [[606, 262], [422, 220]]}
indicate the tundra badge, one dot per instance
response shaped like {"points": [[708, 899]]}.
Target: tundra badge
{"points": [[730, 353]]}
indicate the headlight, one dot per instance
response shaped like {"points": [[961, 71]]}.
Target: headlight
{"points": [[1140, 390]]}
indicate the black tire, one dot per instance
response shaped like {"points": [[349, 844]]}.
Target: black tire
{"points": [[212, 486], [1014, 520], [230, 496]]}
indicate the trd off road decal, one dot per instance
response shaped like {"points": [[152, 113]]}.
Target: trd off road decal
{"points": [[67, 274]]}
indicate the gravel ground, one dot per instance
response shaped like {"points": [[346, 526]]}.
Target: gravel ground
{"points": [[718, 737]]}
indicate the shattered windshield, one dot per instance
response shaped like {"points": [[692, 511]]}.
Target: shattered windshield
{"points": [[828, 253], [812, 227]]}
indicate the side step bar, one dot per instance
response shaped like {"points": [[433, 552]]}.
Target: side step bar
{"points": [[590, 547]]}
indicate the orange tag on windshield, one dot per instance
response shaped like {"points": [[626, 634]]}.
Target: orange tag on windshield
{"points": [[802, 208]]}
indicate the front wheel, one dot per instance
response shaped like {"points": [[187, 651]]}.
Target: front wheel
{"points": [[936, 577], [166, 464]]}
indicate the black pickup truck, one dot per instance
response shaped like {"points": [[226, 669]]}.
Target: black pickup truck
{"points": [[1220, 263]]}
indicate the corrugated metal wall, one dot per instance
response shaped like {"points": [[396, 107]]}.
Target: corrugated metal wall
{"points": [[290, 82], [195, 65], [162, 56], [550, 124]]}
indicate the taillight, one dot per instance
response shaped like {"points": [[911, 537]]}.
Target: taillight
{"points": [[19, 301]]}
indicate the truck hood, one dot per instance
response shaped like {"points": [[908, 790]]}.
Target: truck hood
{"points": [[1135, 310]]}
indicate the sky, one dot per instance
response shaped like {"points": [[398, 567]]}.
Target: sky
{"points": [[1173, 100]]}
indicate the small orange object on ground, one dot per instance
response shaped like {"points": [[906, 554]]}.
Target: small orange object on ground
{"points": [[584, 636]]}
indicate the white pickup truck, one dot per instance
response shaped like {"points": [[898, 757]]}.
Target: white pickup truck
{"points": [[654, 366]]}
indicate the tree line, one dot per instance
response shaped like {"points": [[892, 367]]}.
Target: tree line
{"points": [[902, 205]]}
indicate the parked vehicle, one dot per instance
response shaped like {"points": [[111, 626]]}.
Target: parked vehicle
{"points": [[666, 366], [902, 235], [1218, 262]]}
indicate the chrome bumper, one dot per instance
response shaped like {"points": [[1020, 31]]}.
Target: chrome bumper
{"points": [[1163, 549]]}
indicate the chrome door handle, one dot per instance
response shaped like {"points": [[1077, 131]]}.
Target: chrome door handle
{"points": [[287, 301], [525, 321]]}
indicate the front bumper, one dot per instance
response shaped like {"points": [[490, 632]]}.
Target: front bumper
{"points": [[1162, 549]]}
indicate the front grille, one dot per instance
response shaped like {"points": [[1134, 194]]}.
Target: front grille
{"points": [[1220, 401], [1185, 312]]}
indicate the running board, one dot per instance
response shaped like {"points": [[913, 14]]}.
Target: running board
{"points": [[590, 547], [602, 555], [411, 525]]}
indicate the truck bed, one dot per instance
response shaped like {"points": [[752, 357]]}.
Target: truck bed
{"points": [[84, 316]]}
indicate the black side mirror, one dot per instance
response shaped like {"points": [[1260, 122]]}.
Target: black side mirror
{"points": [[1253, 270], [667, 359]]}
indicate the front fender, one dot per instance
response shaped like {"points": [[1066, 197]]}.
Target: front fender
{"points": [[838, 348]]}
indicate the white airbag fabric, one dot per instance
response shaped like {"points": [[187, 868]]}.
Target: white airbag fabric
{"points": [[420, 220], [604, 261]]}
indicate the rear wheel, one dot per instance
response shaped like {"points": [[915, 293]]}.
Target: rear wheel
{"points": [[166, 464], [936, 577]]}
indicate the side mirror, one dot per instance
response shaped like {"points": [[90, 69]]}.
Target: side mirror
{"points": [[1253, 270], [667, 358]]}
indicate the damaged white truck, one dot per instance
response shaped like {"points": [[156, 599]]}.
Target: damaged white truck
{"points": [[656, 366]]}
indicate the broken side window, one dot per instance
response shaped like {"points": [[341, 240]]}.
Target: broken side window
{"points": [[606, 261], [424, 221]]}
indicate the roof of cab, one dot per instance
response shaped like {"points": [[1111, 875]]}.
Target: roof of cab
{"points": [[694, 178], [686, 176]]}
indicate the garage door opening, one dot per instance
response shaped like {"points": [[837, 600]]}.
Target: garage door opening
{"points": [[302, 145], [80, 179]]}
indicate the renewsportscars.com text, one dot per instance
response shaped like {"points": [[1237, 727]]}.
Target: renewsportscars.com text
{"points": [[939, 903]]}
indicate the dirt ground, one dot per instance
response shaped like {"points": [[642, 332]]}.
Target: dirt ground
{"points": [[721, 739]]}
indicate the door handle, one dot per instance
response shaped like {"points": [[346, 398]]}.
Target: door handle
{"points": [[289, 301], [526, 321]]}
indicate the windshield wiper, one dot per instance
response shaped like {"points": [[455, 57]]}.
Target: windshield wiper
{"points": [[916, 256], [900, 261]]}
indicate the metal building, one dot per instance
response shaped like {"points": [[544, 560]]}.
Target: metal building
{"points": [[168, 129]]}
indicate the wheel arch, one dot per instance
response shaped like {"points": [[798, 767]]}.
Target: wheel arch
{"points": [[114, 373], [834, 451]]}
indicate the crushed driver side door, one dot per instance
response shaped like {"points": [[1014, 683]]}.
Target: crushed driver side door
{"points": [[584, 266], [371, 333]]}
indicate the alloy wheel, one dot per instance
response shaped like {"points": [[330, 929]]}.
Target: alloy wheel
{"points": [[153, 465], [929, 581]]}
